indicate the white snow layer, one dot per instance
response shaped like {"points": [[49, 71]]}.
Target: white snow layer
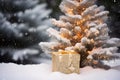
{"points": [[42, 71]]}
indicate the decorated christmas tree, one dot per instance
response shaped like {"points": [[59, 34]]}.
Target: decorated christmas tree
{"points": [[83, 29]]}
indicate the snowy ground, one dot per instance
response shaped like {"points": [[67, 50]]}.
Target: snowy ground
{"points": [[10, 71]]}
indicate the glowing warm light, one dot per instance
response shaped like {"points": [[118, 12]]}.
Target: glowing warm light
{"points": [[58, 47], [78, 22], [78, 36], [66, 52], [95, 62], [70, 11], [65, 35]]}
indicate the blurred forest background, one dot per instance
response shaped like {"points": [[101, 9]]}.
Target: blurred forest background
{"points": [[23, 24]]}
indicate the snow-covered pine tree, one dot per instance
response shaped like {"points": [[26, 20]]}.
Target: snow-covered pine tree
{"points": [[83, 29], [22, 27]]}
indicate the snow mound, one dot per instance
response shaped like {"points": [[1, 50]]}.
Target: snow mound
{"points": [[42, 71]]}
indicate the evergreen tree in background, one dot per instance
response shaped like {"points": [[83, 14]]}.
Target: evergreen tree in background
{"points": [[22, 27]]}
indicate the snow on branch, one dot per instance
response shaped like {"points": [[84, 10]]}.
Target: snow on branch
{"points": [[56, 34], [61, 23], [87, 3]]}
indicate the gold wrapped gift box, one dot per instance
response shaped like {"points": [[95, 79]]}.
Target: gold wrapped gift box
{"points": [[66, 62]]}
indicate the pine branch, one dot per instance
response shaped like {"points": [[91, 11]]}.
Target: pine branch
{"points": [[105, 57], [94, 64]]}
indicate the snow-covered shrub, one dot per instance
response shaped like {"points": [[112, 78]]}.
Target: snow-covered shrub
{"points": [[83, 29]]}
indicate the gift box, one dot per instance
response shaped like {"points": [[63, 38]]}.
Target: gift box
{"points": [[66, 62]]}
